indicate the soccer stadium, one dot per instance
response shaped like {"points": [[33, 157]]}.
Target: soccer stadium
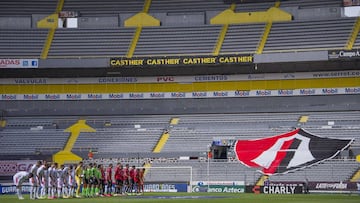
{"points": [[180, 100]]}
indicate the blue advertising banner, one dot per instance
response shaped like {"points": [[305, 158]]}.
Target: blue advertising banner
{"points": [[11, 189], [155, 187], [166, 187]]}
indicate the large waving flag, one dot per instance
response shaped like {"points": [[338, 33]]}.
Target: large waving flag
{"points": [[287, 152]]}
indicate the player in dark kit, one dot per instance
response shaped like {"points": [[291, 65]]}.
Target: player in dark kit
{"points": [[119, 178], [108, 179], [140, 175], [132, 179], [126, 176]]}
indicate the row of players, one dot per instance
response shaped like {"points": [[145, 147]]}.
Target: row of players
{"points": [[49, 180]]}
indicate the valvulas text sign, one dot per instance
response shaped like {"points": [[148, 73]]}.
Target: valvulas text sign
{"points": [[180, 61]]}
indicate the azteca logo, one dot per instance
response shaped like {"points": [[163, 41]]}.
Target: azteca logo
{"points": [[286, 152]]}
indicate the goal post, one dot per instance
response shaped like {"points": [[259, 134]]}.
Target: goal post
{"points": [[169, 175]]}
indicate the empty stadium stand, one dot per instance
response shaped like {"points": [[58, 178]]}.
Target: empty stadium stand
{"points": [[328, 171], [185, 39], [21, 42], [242, 38], [135, 137], [120, 141], [129, 130], [31, 142], [309, 35], [90, 42], [168, 41], [113, 7], [103, 8], [177, 41], [16, 8], [179, 6], [312, 4], [193, 133]]}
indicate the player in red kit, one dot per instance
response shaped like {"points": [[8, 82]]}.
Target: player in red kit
{"points": [[119, 178], [126, 176], [109, 179], [141, 179], [137, 180], [132, 177]]}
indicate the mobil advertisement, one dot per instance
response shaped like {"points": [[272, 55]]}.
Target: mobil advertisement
{"points": [[219, 186], [185, 95]]}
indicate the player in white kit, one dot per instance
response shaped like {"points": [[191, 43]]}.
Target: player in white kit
{"points": [[63, 179], [34, 181], [72, 181], [45, 189], [52, 180], [19, 178], [41, 173]]}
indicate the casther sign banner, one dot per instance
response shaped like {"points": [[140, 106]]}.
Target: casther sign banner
{"points": [[275, 189], [219, 186]]}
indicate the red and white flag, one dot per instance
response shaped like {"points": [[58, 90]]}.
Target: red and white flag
{"points": [[287, 152]]}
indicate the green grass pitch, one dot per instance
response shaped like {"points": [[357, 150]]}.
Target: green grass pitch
{"points": [[229, 198]]}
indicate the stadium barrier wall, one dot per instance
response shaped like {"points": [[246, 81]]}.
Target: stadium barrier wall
{"points": [[98, 22], [9, 188], [314, 187], [318, 13], [101, 62], [183, 19], [15, 22], [182, 106], [37, 17]]}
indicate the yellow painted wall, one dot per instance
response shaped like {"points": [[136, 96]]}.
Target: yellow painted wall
{"points": [[175, 87]]}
